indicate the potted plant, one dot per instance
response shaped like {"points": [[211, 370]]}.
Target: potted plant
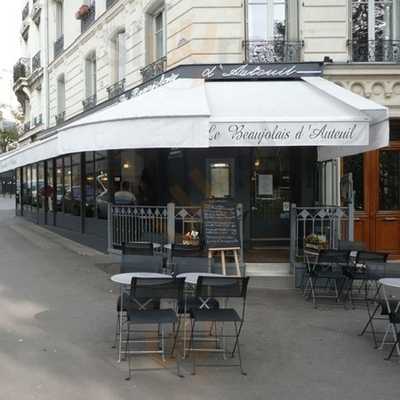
{"points": [[83, 11], [316, 242], [191, 238]]}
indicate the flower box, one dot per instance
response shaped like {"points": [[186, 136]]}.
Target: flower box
{"points": [[83, 12]]}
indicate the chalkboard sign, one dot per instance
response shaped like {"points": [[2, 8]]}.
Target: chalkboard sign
{"points": [[220, 225]]}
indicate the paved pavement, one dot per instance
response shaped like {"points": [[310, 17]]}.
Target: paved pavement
{"points": [[57, 320]]}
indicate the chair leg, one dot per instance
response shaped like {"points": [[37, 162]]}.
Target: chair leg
{"points": [[193, 353], [114, 346], [237, 346], [128, 356], [176, 336], [395, 344]]}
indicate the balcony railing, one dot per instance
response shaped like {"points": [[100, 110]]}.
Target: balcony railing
{"points": [[60, 118], [272, 51], [37, 121], [27, 126], [21, 69], [89, 102], [116, 89], [36, 12], [375, 50], [36, 62], [25, 11], [88, 20], [110, 3], [154, 69], [59, 46]]}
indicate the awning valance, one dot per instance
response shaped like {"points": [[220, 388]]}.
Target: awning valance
{"points": [[194, 113]]}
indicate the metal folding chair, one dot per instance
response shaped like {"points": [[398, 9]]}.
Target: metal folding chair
{"points": [[224, 288], [144, 292]]}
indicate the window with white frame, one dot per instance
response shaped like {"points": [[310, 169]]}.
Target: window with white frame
{"points": [[61, 95], [266, 19], [159, 34], [90, 72], [119, 55], [59, 19]]}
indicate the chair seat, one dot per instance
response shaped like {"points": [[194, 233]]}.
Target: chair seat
{"points": [[221, 314], [193, 302], [164, 316], [128, 304]]}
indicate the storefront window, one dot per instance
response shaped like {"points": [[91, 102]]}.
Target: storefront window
{"points": [[389, 180], [50, 186], [90, 204], [34, 186], [59, 184], [18, 188], [76, 193], [355, 166], [41, 187], [102, 185], [67, 200], [220, 179]]}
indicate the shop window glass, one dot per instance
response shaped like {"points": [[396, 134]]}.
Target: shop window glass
{"points": [[355, 165], [59, 184], [40, 191], [76, 193], [34, 190], [67, 199], [50, 186], [220, 179], [29, 185], [102, 184], [389, 180], [18, 187], [90, 184]]}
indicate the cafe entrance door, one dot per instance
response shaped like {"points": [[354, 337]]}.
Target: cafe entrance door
{"points": [[271, 198]]}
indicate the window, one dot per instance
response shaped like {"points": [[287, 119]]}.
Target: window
{"points": [[59, 184], [355, 165], [59, 19], [159, 35], [90, 69], [50, 186], [389, 180], [119, 45], [266, 19], [60, 95], [220, 179]]}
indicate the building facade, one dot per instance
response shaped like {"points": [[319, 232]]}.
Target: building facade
{"points": [[80, 56]]}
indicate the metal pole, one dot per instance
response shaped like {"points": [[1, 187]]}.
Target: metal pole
{"points": [[293, 238], [351, 217], [240, 212], [109, 228], [171, 222]]}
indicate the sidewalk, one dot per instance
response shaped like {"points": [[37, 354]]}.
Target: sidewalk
{"points": [[57, 323]]}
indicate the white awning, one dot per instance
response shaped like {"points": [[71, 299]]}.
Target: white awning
{"points": [[193, 113]]}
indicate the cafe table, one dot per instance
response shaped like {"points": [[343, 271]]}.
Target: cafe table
{"points": [[124, 280]]}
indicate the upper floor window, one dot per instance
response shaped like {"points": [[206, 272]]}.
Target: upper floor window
{"points": [[159, 34], [119, 46], [59, 19], [376, 30], [60, 98], [90, 71]]}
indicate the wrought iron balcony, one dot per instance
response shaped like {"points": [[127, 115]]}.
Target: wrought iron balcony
{"points": [[36, 62], [116, 89], [272, 51], [87, 21], [21, 69], [60, 118], [25, 11], [27, 126], [375, 50], [37, 121], [36, 12], [58, 46], [152, 70], [89, 102], [25, 30], [110, 3]]}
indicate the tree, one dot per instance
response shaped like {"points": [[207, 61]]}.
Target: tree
{"points": [[8, 135], [10, 128]]}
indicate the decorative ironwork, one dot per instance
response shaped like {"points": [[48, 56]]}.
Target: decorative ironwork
{"points": [[36, 12], [375, 50], [89, 103], [21, 69], [27, 126], [25, 11], [36, 62], [37, 121], [110, 3], [60, 118], [116, 89], [88, 20], [152, 70], [25, 30], [59, 46], [272, 51]]}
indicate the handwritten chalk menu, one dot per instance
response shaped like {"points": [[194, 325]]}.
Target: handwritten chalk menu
{"points": [[220, 224]]}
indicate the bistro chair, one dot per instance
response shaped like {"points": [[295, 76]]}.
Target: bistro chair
{"points": [[144, 292], [327, 273], [223, 288]]}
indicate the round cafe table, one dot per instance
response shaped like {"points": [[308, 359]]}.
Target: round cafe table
{"points": [[126, 279], [192, 277]]}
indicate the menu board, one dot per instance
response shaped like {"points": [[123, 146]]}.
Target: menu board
{"points": [[220, 224]]}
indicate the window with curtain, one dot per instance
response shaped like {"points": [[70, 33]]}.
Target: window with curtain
{"points": [[91, 71]]}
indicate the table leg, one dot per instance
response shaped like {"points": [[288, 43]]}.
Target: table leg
{"points": [[120, 323], [223, 262]]}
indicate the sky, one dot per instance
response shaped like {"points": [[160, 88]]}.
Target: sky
{"points": [[10, 24]]}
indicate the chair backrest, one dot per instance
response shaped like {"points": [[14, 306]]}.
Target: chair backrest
{"points": [[157, 288], [138, 248], [224, 287], [334, 256], [352, 245], [365, 257]]}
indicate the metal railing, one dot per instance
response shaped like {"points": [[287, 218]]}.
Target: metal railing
{"points": [[157, 224], [272, 51], [25, 11], [37, 121], [60, 118], [59, 46], [89, 102], [154, 69], [36, 62], [110, 3], [89, 19], [116, 89], [374, 50], [334, 223], [27, 126], [36, 12]]}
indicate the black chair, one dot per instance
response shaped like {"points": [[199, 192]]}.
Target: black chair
{"points": [[152, 290], [222, 288], [327, 272], [394, 320]]}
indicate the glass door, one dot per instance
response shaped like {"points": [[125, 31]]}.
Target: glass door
{"points": [[271, 197]]}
